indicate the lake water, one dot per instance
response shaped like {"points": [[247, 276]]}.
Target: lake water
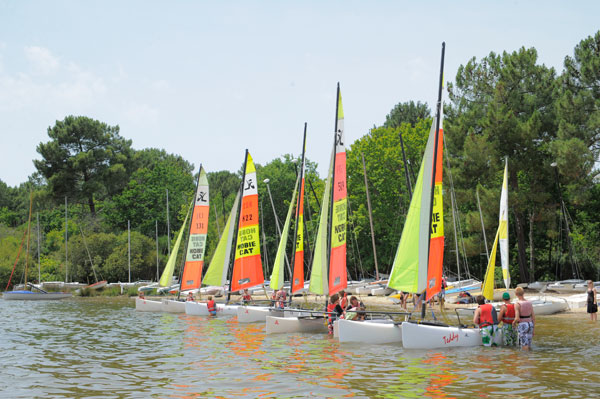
{"points": [[103, 348]]}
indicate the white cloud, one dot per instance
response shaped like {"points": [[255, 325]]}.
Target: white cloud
{"points": [[42, 60], [141, 114]]}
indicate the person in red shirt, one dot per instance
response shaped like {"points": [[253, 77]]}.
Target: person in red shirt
{"points": [[211, 306], [485, 318]]}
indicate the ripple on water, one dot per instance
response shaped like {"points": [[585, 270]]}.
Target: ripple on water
{"points": [[90, 347]]}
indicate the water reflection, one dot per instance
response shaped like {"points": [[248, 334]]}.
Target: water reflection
{"points": [[103, 348]]}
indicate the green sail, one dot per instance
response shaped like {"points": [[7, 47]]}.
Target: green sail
{"points": [[276, 279], [167, 276], [217, 270], [318, 277], [409, 271]]}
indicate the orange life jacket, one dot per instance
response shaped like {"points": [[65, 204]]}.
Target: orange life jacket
{"points": [[485, 317], [330, 309], [509, 315], [211, 306]]}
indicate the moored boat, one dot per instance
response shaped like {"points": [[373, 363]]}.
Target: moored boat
{"points": [[34, 296], [425, 336], [146, 305], [298, 324], [383, 331]]}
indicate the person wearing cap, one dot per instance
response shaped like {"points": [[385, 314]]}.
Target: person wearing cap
{"points": [[507, 316], [524, 319]]}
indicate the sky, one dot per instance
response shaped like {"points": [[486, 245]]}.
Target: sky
{"points": [[208, 79]]}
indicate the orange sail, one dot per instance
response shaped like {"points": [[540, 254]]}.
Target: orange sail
{"points": [[436, 242], [247, 267], [298, 280], [338, 276], [194, 260]]}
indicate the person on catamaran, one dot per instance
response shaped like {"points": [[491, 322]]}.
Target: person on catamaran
{"points": [[592, 302], [190, 297], [354, 310], [141, 295], [507, 316], [486, 318], [246, 297], [211, 306], [280, 298], [442, 293], [524, 319], [334, 311]]}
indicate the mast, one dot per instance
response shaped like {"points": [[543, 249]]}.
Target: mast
{"points": [[168, 226], [129, 250], [66, 243], [287, 261], [156, 232], [435, 151], [299, 202], [408, 185], [452, 200], [38, 248], [370, 212], [28, 235], [482, 226], [237, 225], [88, 253]]}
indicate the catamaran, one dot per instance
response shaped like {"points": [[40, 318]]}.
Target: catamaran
{"points": [[328, 273]]}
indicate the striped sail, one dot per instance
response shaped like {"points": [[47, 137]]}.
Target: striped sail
{"points": [[166, 279], [337, 261], [276, 279], [318, 273], [409, 270], [436, 243], [487, 289], [247, 267], [194, 260], [503, 229], [216, 274]]}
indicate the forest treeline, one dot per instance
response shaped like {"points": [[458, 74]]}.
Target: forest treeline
{"points": [[504, 105]]}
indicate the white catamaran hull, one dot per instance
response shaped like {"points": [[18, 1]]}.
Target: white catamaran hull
{"points": [[172, 306], [277, 325], [145, 305], [253, 314], [196, 308], [423, 336], [370, 332], [34, 296]]}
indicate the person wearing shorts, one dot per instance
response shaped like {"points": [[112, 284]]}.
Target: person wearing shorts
{"points": [[592, 302], [524, 319]]}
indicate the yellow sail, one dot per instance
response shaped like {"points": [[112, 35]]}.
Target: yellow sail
{"points": [[488, 283], [167, 276]]}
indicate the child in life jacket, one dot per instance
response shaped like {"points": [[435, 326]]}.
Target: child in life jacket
{"points": [[486, 318]]}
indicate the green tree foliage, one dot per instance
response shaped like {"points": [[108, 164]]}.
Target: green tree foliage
{"points": [[503, 106], [84, 160], [143, 258], [407, 112], [143, 200], [387, 187]]}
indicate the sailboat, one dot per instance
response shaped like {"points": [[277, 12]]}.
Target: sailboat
{"points": [[195, 248], [166, 279], [417, 266], [25, 294], [328, 272], [249, 314]]}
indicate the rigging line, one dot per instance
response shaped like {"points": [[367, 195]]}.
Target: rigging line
{"points": [[355, 244]]}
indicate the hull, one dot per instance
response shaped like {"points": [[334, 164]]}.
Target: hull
{"points": [[253, 314], [381, 291], [370, 332], [230, 310], [99, 284], [421, 336], [196, 308], [543, 307], [145, 305], [172, 306], [467, 288], [278, 325], [34, 296]]}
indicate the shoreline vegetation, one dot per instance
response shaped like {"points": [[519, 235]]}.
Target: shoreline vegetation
{"points": [[91, 184]]}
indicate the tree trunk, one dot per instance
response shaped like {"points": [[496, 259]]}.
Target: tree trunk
{"points": [[531, 251], [92, 205], [523, 275]]}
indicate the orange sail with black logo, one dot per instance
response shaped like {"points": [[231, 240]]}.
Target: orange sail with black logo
{"points": [[298, 271], [338, 275], [436, 241], [247, 267], [196, 247]]}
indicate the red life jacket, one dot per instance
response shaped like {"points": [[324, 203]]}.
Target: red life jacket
{"points": [[344, 302], [509, 315], [211, 306], [246, 297], [485, 317], [330, 309]]}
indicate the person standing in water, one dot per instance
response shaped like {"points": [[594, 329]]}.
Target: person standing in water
{"points": [[592, 302], [507, 316], [524, 319], [485, 318]]}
